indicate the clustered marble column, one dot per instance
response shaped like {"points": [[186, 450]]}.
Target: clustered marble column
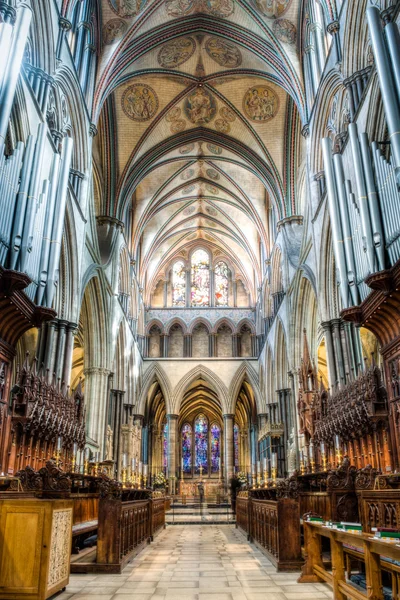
{"points": [[172, 451], [96, 393], [55, 347], [228, 449]]}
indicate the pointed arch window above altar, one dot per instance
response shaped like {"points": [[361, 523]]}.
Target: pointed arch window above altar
{"points": [[200, 278]]}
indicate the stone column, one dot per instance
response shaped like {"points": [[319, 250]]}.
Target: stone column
{"points": [[330, 354], [172, 451], [228, 443], [338, 351], [96, 392], [334, 28]]}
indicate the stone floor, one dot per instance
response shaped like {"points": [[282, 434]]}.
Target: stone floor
{"points": [[196, 562]]}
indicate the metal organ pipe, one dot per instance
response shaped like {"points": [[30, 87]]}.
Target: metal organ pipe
{"points": [[18, 42], [32, 267], [393, 42], [32, 200], [373, 202], [45, 253], [345, 221], [335, 220], [6, 30], [21, 201], [386, 82], [9, 174], [362, 197], [58, 222]]}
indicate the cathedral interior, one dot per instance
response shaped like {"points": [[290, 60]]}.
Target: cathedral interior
{"points": [[200, 298]]}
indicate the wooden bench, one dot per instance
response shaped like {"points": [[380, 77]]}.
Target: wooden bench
{"points": [[85, 520], [375, 553]]}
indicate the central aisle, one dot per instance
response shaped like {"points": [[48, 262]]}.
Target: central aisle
{"points": [[197, 562]]}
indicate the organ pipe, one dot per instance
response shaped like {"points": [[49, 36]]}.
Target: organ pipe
{"points": [[337, 235], [386, 82], [58, 221], [373, 201], [18, 42], [21, 201], [393, 42], [345, 221], [362, 197], [32, 199], [51, 204]]}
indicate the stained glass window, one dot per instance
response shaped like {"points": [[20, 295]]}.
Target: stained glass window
{"points": [[236, 444], [215, 448], [221, 284], [200, 291], [187, 448], [165, 447], [178, 284], [201, 444]]}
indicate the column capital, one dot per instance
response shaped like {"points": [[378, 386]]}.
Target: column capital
{"points": [[172, 417], [229, 415]]}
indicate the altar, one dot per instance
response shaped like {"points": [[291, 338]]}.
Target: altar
{"points": [[212, 488]]}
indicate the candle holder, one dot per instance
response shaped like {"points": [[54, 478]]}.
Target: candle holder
{"points": [[95, 469], [265, 478], [124, 477], [273, 474], [73, 463], [324, 462]]}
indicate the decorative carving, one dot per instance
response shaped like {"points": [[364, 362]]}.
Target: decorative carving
{"points": [[55, 481], [365, 478], [260, 103], [110, 488], [285, 31], [223, 52], [29, 480], [127, 8], [177, 52], [60, 547], [200, 107], [217, 8], [342, 477], [272, 8], [114, 30], [139, 102]]}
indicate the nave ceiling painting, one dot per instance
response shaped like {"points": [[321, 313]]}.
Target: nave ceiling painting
{"points": [[200, 103]]}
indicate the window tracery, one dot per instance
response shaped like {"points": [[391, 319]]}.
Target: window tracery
{"points": [[178, 284], [201, 444], [221, 284], [187, 448], [200, 271]]}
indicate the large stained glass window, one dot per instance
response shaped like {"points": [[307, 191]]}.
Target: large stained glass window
{"points": [[200, 291], [215, 448], [187, 448], [221, 284], [201, 444], [165, 447], [236, 445], [178, 284]]}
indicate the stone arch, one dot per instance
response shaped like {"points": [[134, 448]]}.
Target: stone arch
{"points": [[175, 321], [203, 372], [155, 373], [246, 372]]}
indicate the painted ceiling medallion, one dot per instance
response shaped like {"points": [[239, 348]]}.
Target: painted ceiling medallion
{"points": [[285, 31], [176, 52], [211, 211], [213, 174], [260, 103], [139, 102], [224, 53], [272, 8], [186, 149], [214, 149], [114, 30], [212, 189], [178, 126], [200, 107], [227, 114], [189, 210], [173, 114], [187, 174], [222, 125], [188, 189], [127, 8], [217, 8]]}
